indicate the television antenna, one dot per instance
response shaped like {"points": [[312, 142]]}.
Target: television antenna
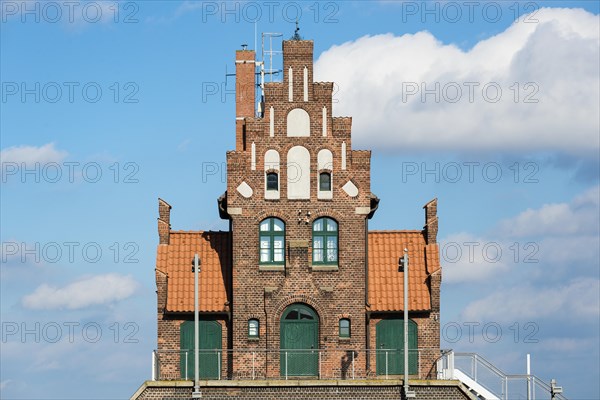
{"points": [[267, 55]]}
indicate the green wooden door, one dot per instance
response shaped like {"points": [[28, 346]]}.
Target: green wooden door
{"points": [[390, 347], [210, 349], [299, 342]]}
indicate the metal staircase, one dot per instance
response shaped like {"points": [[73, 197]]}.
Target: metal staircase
{"points": [[487, 382]]}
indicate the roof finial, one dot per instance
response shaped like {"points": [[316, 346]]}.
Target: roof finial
{"points": [[296, 35]]}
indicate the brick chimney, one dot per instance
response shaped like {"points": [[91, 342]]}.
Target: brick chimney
{"points": [[245, 89], [431, 221], [164, 222]]}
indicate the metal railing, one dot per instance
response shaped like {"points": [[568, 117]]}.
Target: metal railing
{"points": [[503, 386], [281, 364]]}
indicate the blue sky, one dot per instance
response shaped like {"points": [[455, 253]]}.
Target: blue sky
{"points": [[109, 106]]}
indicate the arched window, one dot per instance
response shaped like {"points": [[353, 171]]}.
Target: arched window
{"points": [[253, 328], [272, 175], [325, 166], [344, 331], [299, 312], [272, 181], [325, 241], [272, 241], [325, 182]]}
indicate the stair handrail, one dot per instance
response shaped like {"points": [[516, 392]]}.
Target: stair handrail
{"points": [[483, 361], [536, 380], [499, 373]]}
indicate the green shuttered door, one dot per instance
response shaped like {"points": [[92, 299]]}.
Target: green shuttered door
{"points": [[210, 349], [390, 347]]}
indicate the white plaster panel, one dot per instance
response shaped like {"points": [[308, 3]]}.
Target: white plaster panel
{"points": [[325, 160], [290, 85], [305, 84], [324, 121], [351, 189], [298, 173], [272, 160], [245, 190], [298, 123], [271, 122]]}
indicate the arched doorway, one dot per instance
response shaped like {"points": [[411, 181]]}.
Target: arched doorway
{"points": [[299, 340]]}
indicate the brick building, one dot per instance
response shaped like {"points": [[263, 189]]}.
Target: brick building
{"points": [[298, 287]]}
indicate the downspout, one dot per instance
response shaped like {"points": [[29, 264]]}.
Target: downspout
{"points": [[367, 305], [407, 392], [266, 333], [230, 278], [367, 262], [374, 204]]}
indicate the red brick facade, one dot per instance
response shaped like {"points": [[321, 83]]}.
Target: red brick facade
{"points": [[264, 294], [264, 291]]}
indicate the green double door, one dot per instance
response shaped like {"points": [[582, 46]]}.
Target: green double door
{"points": [[299, 337], [210, 349], [390, 347]]}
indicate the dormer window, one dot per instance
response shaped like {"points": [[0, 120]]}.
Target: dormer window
{"points": [[272, 181]]}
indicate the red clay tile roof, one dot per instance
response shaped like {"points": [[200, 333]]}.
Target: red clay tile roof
{"points": [[213, 248], [386, 283], [175, 260]]}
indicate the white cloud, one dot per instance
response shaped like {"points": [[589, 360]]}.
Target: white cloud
{"points": [[589, 197], [580, 216], [568, 255], [577, 299], [566, 345], [553, 241], [90, 291], [185, 8], [32, 154], [466, 258], [565, 119]]}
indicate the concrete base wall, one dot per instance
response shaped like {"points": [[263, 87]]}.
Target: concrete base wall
{"points": [[302, 389]]}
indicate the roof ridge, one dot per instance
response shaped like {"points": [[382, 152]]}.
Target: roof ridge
{"points": [[396, 231], [190, 232]]}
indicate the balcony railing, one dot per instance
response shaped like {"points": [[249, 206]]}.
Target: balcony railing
{"points": [[281, 364]]}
